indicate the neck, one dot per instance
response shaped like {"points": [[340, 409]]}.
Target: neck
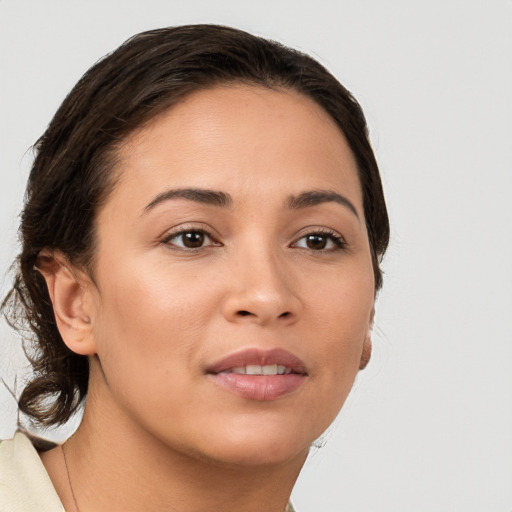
{"points": [[115, 465]]}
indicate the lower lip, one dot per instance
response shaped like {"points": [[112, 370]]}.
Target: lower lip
{"points": [[259, 387]]}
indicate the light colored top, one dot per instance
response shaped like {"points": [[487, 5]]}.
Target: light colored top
{"points": [[24, 483]]}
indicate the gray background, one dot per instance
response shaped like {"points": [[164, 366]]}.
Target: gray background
{"points": [[428, 426]]}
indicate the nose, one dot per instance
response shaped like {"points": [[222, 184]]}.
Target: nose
{"points": [[262, 291]]}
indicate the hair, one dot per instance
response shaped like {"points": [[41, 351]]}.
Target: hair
{"points": [[72, 176]]}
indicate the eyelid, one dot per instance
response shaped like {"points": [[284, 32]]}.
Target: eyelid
{"points": [[187, 228], [337, 238]]}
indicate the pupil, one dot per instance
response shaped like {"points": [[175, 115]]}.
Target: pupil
{"points": [[193, 239], [316, 242]]}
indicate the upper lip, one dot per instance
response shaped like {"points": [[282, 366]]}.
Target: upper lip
{"points": [[255, 356]]}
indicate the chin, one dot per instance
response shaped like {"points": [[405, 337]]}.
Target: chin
{"points": [[263, 454], [258, 445]]}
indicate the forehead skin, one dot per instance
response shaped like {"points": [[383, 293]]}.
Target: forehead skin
{"points": [[214, 132]]}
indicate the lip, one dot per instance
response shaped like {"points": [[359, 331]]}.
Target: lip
{"points": [[261, 358], [259, 387]]}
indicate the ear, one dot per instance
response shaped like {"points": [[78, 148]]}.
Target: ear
{"points": [[70, 292], [367, 344]]}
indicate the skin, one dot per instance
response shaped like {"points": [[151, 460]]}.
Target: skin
{"points": [[158, 434]]}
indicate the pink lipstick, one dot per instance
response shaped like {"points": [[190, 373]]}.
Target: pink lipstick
{"points": [[259, 374]]}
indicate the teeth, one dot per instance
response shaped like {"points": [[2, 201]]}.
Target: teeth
{"points": [[255, 369], [270, 369]]}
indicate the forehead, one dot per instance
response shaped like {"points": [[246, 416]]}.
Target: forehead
{"points": [[240, 137]]}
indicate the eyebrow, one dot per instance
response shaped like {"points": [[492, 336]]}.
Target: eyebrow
{"points": [[315, 197], [223, 200], [204, 196]]}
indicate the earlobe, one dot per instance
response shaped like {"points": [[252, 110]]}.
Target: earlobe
{"points": [[367, 344], [366, 353], [69, 291]]}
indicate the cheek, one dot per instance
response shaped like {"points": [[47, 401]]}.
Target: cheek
{"points": [[339, 319], [150, 303], [148, 326], [342, 307]]}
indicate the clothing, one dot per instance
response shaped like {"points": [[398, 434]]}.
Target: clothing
{"points": [[24, 483]]}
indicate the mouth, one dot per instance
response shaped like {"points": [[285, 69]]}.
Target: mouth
{"points": [[259, 375], [256, 369]]}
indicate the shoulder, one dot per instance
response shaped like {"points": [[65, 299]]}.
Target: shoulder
{"points": [[24, 483]]}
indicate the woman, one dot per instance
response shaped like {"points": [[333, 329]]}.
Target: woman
{"points": [[201, 241]]}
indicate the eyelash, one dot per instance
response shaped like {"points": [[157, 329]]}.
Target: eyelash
{"points": [[180, 233], [337, 240]]}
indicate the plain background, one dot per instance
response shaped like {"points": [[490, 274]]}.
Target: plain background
{"points": [[428, 426]]}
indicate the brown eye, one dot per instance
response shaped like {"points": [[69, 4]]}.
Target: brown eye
{"points": [[192, 239], [320, 242], [316, 242]]}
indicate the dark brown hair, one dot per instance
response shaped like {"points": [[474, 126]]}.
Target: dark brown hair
{"points": [[71, 175]]}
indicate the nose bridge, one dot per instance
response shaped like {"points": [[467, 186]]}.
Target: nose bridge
{"points": [[263, 289]]}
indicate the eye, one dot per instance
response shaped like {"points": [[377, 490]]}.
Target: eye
{"points": [[320, 241], [189, 239]]}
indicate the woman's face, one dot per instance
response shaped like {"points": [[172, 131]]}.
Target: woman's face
{"points": [[234, 242]]}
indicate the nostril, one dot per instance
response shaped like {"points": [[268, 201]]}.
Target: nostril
{"points": [[244, 312]]}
